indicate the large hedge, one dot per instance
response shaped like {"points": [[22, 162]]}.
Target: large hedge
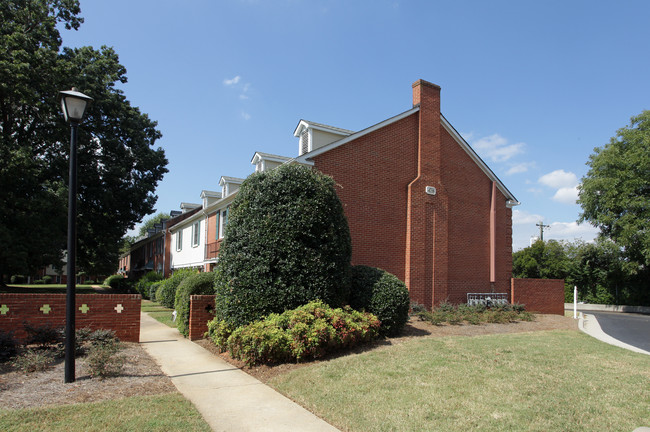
{"points": [[166, 291], [287, 243], [200, 283], [382, 294], [143, 285]]}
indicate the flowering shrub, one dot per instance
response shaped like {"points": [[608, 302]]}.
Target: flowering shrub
{"points": [[310, 331]]}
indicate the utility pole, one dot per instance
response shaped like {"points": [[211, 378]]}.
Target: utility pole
{"points": [[541, 229]]}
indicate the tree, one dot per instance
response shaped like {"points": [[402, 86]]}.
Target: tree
{"points": [[545, 260], [150, 222], [118, 168], [615, 194], [287, 243]]}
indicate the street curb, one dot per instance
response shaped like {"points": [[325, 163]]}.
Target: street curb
{"points": [[589, 325]]}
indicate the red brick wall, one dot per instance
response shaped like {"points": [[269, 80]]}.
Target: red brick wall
{"points": [[373, 173], [101, 313], [438, 244], [201, 311], [539, 295]]}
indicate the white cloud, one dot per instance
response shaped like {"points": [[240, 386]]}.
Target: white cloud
{"points": [[566, 184], [566, 195], [232, 81], [496, 148], [559, 179], [245, 115], [571, 231], [522, 217], [520, 168]]}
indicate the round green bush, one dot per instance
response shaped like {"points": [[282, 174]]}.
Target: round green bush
{"points": [[196, 284], [287, 243], [143, 284], [116, 282], [382, 294], [166, 292]]}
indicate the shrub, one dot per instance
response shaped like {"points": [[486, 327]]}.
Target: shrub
{"points": [[152, 290], [8, 346], [47, 279], [116, 282], [143, 285], [39, 282], [33, 360], [166, 292], [44, 336], [309, 331], [102, 360], [381, 294], [287, 243], [17, 279], [200, 283], [219, 331]]}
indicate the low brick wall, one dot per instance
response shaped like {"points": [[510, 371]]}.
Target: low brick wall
{"points": [[201, 311], [539, 295], [117, 312]]}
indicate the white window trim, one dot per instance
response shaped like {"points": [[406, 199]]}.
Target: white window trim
{"points": [[179, 240], [196, 234]]}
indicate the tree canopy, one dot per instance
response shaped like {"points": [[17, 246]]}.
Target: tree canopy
{"points": [[118, 168], [615, 193]]}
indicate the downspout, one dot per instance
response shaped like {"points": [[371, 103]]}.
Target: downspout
{"points": [[493, 236]]}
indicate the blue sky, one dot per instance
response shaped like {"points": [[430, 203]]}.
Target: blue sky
{"points": [[533, 86]]}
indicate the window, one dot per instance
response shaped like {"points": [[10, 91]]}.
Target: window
{"points": [[179, 240], [196, 233], [216, 237], [224, 221]]}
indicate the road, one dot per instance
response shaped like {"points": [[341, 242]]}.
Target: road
{"points": [[633, 329]]}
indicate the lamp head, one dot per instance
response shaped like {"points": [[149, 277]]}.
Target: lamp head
{"points": [[74, 104]]}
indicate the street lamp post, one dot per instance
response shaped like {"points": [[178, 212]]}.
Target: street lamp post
{"points": [[73, 105]]}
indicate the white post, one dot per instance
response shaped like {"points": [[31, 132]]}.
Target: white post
{"points": [[575, 302]]}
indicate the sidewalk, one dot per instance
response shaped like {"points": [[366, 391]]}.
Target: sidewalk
{"points": [[589, 324], [228, 399]]}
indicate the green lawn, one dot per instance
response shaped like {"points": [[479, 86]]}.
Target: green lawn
{"points": [[159, 312], [45, 289], [543, 381], [170, 412]]}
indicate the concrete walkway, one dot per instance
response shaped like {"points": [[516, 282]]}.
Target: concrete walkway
{"points": [[228, 399], [589, 324]]}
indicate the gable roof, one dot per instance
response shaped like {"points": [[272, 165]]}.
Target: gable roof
{"points": [[302, 124], [511, 200]]}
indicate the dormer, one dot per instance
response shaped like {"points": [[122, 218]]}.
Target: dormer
{"points": [[267, 162], [229, 185], [185, 207], [209, 197], [312, 135]]}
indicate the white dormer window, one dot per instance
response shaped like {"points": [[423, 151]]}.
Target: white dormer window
{"points": [[313, 135], [304, 142]]}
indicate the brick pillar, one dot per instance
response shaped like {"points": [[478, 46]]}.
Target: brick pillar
{"points": [[427, 215]]}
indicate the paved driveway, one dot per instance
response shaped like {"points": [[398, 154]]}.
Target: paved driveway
{"points": [[633, 329]]}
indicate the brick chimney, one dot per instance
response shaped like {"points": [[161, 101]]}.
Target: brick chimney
{"points": [[427, 214]]}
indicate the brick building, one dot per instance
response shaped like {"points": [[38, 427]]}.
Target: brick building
{"points": [[420, 202]]}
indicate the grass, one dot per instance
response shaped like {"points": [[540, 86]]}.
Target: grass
{"points": [[159, 312], [168, 412], [45, 289], [556, 380]]}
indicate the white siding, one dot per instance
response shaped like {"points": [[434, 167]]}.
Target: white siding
{"points": [[188, 256]]}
